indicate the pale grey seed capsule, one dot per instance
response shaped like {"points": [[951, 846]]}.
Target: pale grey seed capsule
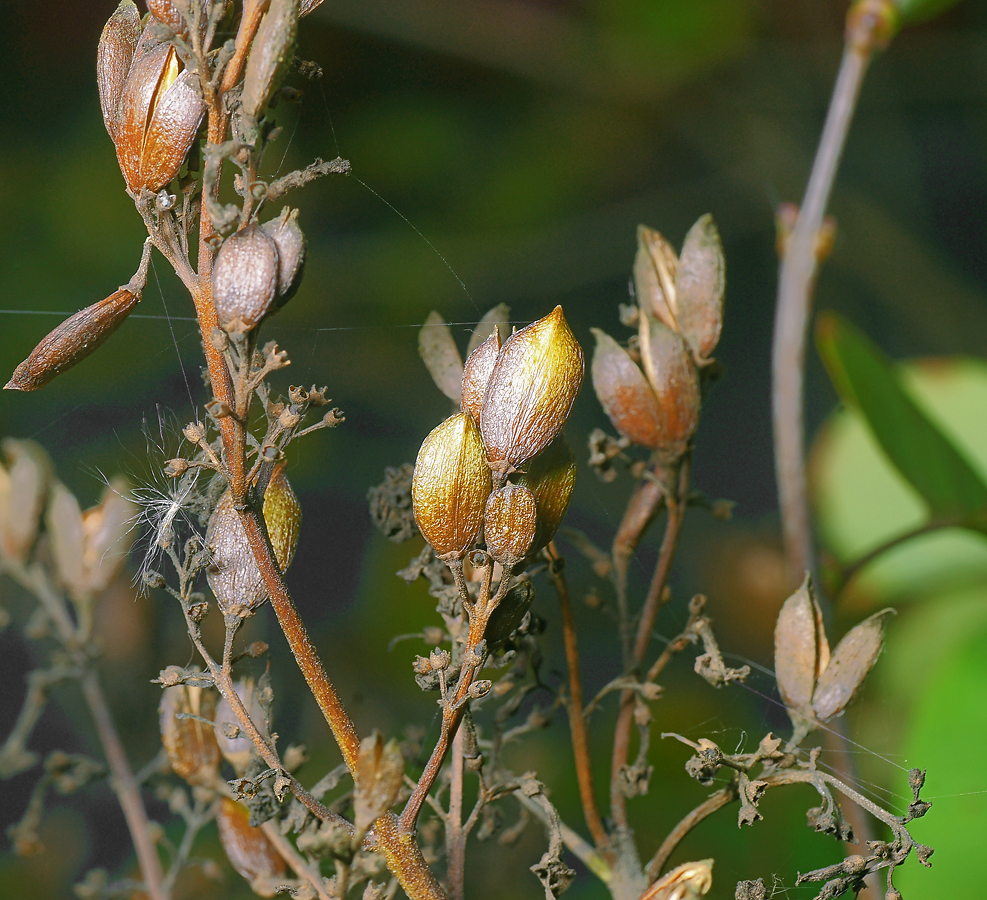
{"points": [[290, 241], [270, 55], [245, 278]]}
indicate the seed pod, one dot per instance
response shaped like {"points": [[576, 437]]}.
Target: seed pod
{"points": [[450, 486], [699, 286], [476, 374], [308, 6], [167, 12], [551, 477], [534, 383], [189, 741], [624, 393], [509, 524], [239, 750], [24, 485], [245, 278], [494, 319], [655, 267], [114, 55], [270, 55], [160, 113], [672, 373], [801, 649], [686, 882], [72, 341], [290, 243], [248, 849], [508, 614], [852, 659], [441, 356], [379, 775], [233, 574]]}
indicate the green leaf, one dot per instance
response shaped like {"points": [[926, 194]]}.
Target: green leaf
{"points": [[867, 380]]}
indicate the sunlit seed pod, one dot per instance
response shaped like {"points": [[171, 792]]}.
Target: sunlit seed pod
{"points": [[450, 486], [801, 649], [160, 113], [248, 849], [624, 393], [72, 341], [476, 374], [25, 478], [290, 243], [669, 367], [686, 882], [550, 477], [509, 524], [239, 750], [245, 278], [508, 614], [700, 282], [496, 318], [534, 383], [233, 574], [114, 56], [655, 267], [185, 717], [851, 660], [270, 55]]}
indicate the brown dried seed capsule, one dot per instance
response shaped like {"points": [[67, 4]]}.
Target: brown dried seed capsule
{"points": [[270, 55], [534, 383], [185, 717], [290, 241], [248, 849], [233, 575], [699, 286], [669, 367], [167, 12], [551, 477], [72, 341], [476, 374], [114, 55], [509, 523], [624, 393], [508, 614], [655, 266], [801, 649], [450, 486], [245, 278], [847, 668]]}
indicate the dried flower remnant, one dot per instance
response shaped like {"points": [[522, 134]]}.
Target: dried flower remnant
{"points": [[245, 278], [450, 486], [233, 574], [25, 478], [248, 849], [534, 383], [185, 718]]}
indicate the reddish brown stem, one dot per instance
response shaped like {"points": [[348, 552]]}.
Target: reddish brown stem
{"points": [[577, 722], [715, 802], [649, 612]]}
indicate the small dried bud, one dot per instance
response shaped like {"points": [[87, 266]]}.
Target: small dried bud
{"points": [[248, 849], [534, 383], [508, 614], [550, 476], [290, 242], [189, 741], [480, 689], [450, 486], [167, 12], [160, 112], [476, 374], [245, 278], [687, 882], [114, 56], [699, 287], [378, 776], [72, 341], [439, 659], [233, 575], [24, 484], [624, 393], [801, 649], [234, 743], [672, 373], [176, 467], [848, 666], [270, 55], [509, 524], [654, 276]]}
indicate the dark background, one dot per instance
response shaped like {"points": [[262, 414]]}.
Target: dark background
{"points": [[511, 147]]}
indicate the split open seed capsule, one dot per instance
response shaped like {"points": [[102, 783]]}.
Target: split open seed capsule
{"points": [[185, 716]]}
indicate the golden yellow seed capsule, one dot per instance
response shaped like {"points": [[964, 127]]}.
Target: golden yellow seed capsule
{"points": [[534, 383], [550, 477], [233, 574], [248, 849], [509, 523], [185, 717], [476, 374], [450, 486]]}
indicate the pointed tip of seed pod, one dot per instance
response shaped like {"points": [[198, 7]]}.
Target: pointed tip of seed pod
{"points": [[12, 385]]}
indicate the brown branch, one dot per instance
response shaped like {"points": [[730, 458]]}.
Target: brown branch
{"points": [[717, 801], [577, 721], [622, 731], [455, 834]]}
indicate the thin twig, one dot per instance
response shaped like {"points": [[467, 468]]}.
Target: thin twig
{"points": [[294, 859], [717, 801], [455, 835]]}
